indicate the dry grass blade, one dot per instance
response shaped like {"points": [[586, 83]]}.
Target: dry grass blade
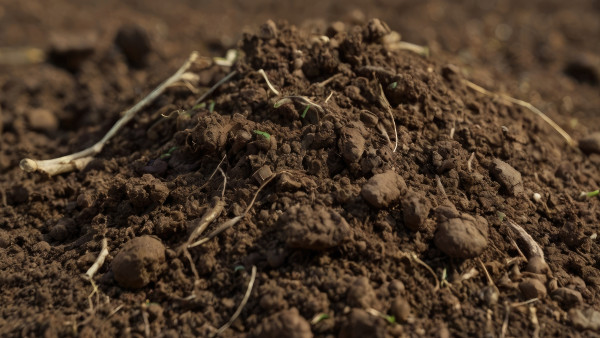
{"points": [[238, 311], [386, 105], [302, 99], [526, 105], [264, 75], [217, 85], [81, 159], [403, 45], [414, 257]]}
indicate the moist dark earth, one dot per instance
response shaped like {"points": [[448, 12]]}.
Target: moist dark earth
{"points": [[376, 210]]}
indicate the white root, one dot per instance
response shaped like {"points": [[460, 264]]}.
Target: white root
{"points": [[80, 159], [99, 260], [238, 311], [264, 75]]}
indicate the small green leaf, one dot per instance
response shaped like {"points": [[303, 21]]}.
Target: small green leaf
{"points": [[263, 134], [239, 268], [501, 215], [305, 111], [211, 106], [393, 85], [390, 319], [592, 193], [168, 153], [199, 105], [319, 317]]}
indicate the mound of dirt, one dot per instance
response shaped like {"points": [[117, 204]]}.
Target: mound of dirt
{"points": [[330, 186]]}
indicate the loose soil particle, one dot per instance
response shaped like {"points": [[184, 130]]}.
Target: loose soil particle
{"points": [[153, 178]]}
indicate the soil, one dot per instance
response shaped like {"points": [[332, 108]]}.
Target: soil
{"points": [[354, 218]]}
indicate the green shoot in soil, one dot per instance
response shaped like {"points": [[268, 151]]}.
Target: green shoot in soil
{"points": [[393, 85], [238, 268], [591, 193], [211, 106], [263, 134], [199, 105], [168, 153], [319, 317], [501, 215], [305, 111]]}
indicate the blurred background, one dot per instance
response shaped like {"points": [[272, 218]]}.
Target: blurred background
{"points": [[546, 52]]}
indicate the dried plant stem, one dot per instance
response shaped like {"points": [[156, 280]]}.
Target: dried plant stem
{"points": [[238, 311], [526, 105], [403, 45], [81, 159], [264, 75], [386, 105], [532, 246], [99, 260]]}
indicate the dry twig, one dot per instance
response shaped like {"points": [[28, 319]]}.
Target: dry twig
{"points": [[80, 159], [386, 105], [264, 75]]}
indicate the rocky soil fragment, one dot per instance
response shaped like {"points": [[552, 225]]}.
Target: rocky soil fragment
{"points": [[140, 262], [507, 176], [361, 324], [532, 288], [314, 228], [460, 235], [383, 189], [352, 145]]}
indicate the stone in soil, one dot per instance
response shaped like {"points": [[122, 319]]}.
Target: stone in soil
{"points": [[286, 323], [400, 309], [460, 235], [41, 119], [70, 50], [314, 228], [588, 319], [140, 262], [382, 190], [361, 294], [134, 42], [508, 177]]}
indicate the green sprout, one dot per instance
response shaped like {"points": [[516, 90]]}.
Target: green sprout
{"points": [[390, 319], [211, 106], [305, 111], [263, 134], [239, 268], [393, 85], [168, 153], [319, 317], [199, 105], [501, 215], [590, 194]]}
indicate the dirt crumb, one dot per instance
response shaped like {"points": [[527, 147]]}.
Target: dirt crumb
{"points": [[460, 235], [532, 288], [140, 262], [134, 41], [415, 207], [361, 324], [41, 119], [383, 189], [146, 191], [286, 323], [361, 294], [314, 228], [400, 309], [590, 144], [352, 145], [566, 297], [508, 176]]}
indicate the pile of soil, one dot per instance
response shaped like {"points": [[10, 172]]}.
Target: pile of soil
{"points": [[393, 169]]}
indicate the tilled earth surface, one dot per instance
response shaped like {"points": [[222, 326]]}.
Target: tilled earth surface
{"points": [[372, 208]]}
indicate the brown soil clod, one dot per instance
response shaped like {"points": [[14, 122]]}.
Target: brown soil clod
{"points": [[383, 189], [460, 235], [140, 262], [314, 228]]}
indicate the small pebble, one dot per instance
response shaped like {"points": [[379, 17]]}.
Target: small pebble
{"points": [[383, 189], [567, 298], [532, 288]]}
